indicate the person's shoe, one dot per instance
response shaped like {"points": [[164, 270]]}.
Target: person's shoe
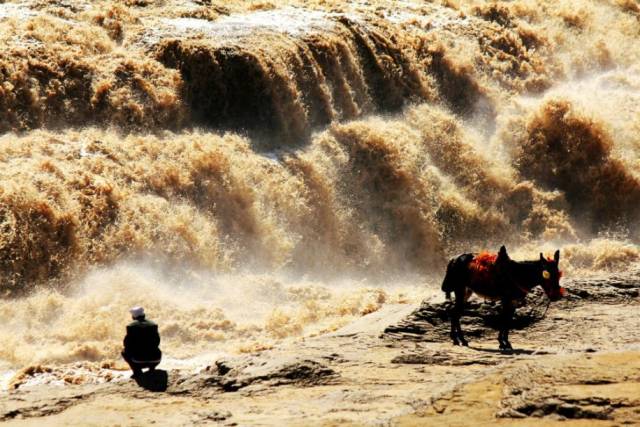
{"points": [[136, 374]]}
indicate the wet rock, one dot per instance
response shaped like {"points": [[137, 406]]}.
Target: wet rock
{"points": [[444, 358], [217, 416], [568, 411], [301, 373], [612, 289], [233, 375], [43, 407], [222, 367], [554, 406], [510, 413]]}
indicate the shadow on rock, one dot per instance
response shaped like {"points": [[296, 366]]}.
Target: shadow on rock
{"points": [[431, 322], [156, 380], [514, 352]]}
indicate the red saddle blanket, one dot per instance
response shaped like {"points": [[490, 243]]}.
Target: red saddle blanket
{"points": [[483, 263]]}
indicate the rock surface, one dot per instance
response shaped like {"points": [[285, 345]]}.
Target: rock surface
{"points": [[580, 362]]}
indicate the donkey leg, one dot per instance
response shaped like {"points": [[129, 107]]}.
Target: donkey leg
{"points": [[454, 333], [501, 327], [505, 324], [508, 318], [459, 310], [454, 316]]}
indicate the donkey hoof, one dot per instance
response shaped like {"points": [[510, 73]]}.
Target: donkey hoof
{"points": [[506, 347], [464, 342]]}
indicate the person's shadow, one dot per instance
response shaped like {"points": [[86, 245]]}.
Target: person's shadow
{"points": [[155, 380]]}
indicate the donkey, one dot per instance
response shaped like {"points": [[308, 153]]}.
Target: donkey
{"points": [[497, 277]]}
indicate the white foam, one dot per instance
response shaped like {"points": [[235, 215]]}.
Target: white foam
{"points": [[436, 19], [287, 20], [5, 379], [10, 10]]}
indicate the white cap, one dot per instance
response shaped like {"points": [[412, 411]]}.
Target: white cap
{"points": [[137, 312]]}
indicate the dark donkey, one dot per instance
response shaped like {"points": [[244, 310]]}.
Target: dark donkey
{"points": [[497, 277]]}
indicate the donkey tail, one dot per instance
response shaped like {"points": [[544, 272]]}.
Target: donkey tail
{"points": [[456, 274], [448, 282]]}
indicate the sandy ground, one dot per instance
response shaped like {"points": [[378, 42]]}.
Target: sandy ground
{"points": [[579, 365]]}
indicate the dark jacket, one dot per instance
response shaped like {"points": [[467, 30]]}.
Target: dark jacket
{"points": [[142, 341]]}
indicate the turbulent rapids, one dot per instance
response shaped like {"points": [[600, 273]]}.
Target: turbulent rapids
{"points": [[251, 171]]}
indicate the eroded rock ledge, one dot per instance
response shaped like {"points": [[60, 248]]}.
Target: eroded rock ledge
{"points": [[430, 322]]}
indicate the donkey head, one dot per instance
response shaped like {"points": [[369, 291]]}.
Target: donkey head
{"points": [[551, 277]]}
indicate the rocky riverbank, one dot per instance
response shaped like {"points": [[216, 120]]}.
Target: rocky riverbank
{"points": [[579, 365]]}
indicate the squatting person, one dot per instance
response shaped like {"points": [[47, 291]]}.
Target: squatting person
{"points": [[141, 344]]}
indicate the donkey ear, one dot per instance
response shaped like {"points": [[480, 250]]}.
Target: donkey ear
{"points": [[556, 256], [542, 257], [503, 250]]}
